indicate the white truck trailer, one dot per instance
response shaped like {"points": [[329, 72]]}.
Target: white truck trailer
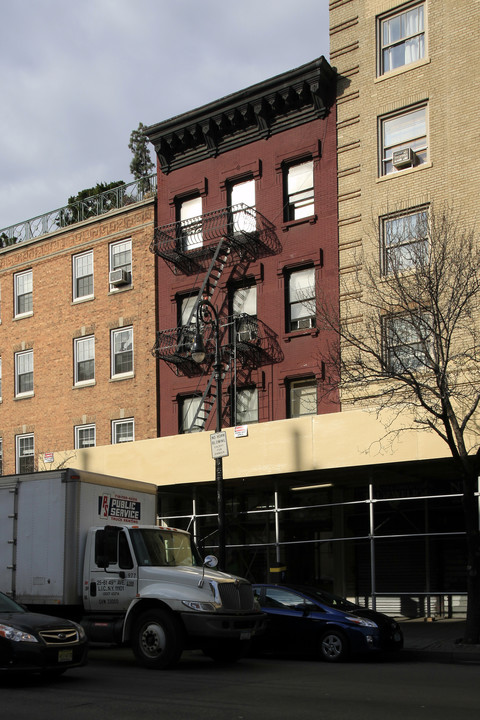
{"points": [[87, 546]]}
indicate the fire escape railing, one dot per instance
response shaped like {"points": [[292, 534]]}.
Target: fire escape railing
{"points": [[252, 340], [188, 245]]}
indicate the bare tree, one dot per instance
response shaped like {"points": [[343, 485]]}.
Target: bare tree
{"points": [[408, 342]]}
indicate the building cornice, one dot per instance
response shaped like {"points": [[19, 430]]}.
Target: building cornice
{"points": [[272, 106]]}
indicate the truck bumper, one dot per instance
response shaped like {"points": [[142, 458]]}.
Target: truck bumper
{"points": [[210, 625]]}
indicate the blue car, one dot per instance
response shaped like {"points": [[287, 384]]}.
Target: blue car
{"points": [[310, 621]]}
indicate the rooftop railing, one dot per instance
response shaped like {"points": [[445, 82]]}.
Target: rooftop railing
{"points": [[94, 206]]}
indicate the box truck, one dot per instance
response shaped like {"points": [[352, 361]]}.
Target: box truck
{"points": [[88, 547]]}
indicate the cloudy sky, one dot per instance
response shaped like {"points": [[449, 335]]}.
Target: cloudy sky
{"points": [[77, 76]]}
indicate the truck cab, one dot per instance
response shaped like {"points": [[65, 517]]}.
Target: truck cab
{"points": [[147, 585]]}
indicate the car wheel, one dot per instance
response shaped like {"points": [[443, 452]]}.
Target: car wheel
{"points": [[333, 646], [156, 640]]}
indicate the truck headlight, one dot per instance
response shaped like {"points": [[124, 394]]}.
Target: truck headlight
{"points": [[199, 606], [11, 633]]}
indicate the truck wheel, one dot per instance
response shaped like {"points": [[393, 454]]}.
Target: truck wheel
{"points": [[227, 652], [156, 640]]}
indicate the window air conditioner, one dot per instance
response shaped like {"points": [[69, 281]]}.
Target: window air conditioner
{"points": [[303, 323], [403, 158], [118, 277]]}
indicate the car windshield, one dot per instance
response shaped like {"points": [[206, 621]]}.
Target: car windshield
{"points": [[333, 601], [159, 547], [8, 606]]}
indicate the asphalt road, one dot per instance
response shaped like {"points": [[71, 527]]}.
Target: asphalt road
{"points": [[112, 686]]}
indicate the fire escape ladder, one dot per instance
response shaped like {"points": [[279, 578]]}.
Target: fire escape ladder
{"points": [[207, 288], [207, 403]]}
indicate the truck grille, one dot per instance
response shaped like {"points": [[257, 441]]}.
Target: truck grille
{"points": [[62, 636], [236, 596]]}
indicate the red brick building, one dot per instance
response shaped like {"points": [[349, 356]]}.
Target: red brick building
{"points": [[77, 327], [247, 219]]}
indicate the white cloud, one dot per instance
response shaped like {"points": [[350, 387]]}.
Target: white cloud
{"points": [[78, 77]]}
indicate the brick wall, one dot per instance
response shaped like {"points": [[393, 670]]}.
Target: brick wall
{"points": [[56, 406]]}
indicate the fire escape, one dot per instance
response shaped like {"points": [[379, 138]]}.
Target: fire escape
{"points": [[205, 248]]}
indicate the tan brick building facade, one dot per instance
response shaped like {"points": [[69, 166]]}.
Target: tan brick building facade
{"points": [[77, 370], [408, 78]]}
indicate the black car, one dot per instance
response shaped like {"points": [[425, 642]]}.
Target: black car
{"points": [[33, 642], [307, 620]]}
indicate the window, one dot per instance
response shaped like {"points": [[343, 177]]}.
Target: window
{"points": [[123, 431], [404, 241], [246, 406], [244, 309], [298, 189], [301, 299], [85, 436], [408, 342], [242, 197], [83, 275], [23, 293], [189, 420], [186, 322], [120, 264], [24, 373], [122, 351], [1, 456], [302, 397], [25, 453], [404, 140], [190, 217], [0, 379], [402, 38], [84, 359]]}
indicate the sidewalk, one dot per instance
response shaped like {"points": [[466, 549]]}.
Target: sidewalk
{"points": [[438, 641]]}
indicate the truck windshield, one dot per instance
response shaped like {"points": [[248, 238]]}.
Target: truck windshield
{"points": [[158, 547]]}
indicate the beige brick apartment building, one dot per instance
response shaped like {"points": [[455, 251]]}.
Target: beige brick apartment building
{"points": [[77, 323], [407, 109]]}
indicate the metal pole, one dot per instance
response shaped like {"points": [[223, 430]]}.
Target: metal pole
{"points": [[206, 312], [219, 461], [372, 548]]}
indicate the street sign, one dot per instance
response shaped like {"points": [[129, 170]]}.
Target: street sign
{"points": [[218, 442]]}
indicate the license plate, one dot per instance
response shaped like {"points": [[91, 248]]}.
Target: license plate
{"points": [[245, 635], [65, 656]]}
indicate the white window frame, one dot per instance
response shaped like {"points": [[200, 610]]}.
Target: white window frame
{"points": [[19, 456], [301, 299], [406, 354], [297, 396], [412, 40], [246, 406], [79, 430], [299, 189], [22, 358], [114, 337], [241, 197], [18, 279], [77, 345], [117, 426], [404, 240], [188, 405], [404, 135], [78, 261], [190, 211], [114, 265]]}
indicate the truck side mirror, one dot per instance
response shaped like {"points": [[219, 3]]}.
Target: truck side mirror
{"points": [[210, 561]]}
